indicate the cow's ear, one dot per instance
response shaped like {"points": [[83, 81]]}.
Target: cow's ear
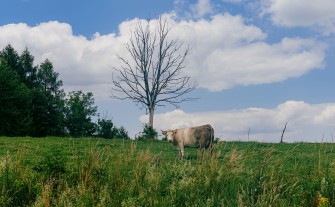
{"points": [[174, 131], [164, 132]]}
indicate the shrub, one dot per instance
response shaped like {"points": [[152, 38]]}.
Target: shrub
{"points": [[148, 133], [122, 133], [106, 129]]}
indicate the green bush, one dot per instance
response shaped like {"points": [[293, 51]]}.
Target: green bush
{"points": [[122, 133], [106, 129], [148, 133]]}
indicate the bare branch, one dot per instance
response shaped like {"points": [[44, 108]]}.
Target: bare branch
{"points": [[153, 75]]}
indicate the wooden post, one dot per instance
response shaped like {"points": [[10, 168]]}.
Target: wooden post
{"points": [[282, 135], [248, 134]]}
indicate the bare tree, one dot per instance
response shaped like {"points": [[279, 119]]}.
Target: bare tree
{"points": [[152, 76]]}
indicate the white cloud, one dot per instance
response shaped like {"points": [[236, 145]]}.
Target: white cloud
{"points": [[201, 8], [79, 61], [305, 13], [225, 52], [306, 122], [326, 116]]}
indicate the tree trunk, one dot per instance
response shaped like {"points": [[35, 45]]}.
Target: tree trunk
{"points": [[151, 117]]}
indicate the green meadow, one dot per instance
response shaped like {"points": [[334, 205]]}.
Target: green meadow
{"points": [[99, 172]]}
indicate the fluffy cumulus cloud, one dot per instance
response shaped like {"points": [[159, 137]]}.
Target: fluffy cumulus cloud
{"points": [[304, 13], [82, 63], [225, 52], [306, 122]]}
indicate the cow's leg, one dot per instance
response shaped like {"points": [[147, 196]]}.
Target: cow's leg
{"points": [[182, 153], [211, 149], [201, 152]]}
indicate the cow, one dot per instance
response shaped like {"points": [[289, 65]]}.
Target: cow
{"points": [[198, 137]]}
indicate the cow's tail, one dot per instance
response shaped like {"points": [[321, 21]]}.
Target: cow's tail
{"points": [[211, 146]]}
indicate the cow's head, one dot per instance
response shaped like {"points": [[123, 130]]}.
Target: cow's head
{"points": [[170, 134]]}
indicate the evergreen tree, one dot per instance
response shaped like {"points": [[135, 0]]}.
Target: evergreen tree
{"points": [[11, 58], [48, 102], [33, 103], [27, 70], [15, 103], [44, 111], [48, 78]]}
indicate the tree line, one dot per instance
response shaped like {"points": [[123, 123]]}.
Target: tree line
{"points": [[33, 103]]}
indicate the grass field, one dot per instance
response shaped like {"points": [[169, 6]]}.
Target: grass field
{"points": [[96, 172]]}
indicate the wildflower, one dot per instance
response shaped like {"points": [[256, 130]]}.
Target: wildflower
{"points": [[323, 202]]}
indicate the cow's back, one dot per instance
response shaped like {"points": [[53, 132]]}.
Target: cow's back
{"points": [[200, 136]]}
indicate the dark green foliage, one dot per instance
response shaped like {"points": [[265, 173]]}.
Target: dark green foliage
{"points": [[122, 133], [40, 114], [148, 133], [48, 79], [15, 103], [48, 103], [105, 129], [32, 102], [27, 70], [31, 99], [79, 109], [22, 64], [9, 56]]}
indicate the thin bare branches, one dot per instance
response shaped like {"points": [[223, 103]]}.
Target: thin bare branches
{"points": [[153, 75]]}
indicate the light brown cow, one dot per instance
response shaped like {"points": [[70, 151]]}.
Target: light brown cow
{"points": [[199, 137]]}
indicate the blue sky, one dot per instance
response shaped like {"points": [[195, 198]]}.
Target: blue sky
{"points": [[259, 63]]}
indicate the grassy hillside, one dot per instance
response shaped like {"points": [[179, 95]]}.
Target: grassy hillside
{"points": [[96, 172]]}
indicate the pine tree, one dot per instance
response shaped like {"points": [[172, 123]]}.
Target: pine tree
{"points": [[15, 102]]}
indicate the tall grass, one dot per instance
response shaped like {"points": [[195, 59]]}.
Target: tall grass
{"points": [[82, 172]]}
